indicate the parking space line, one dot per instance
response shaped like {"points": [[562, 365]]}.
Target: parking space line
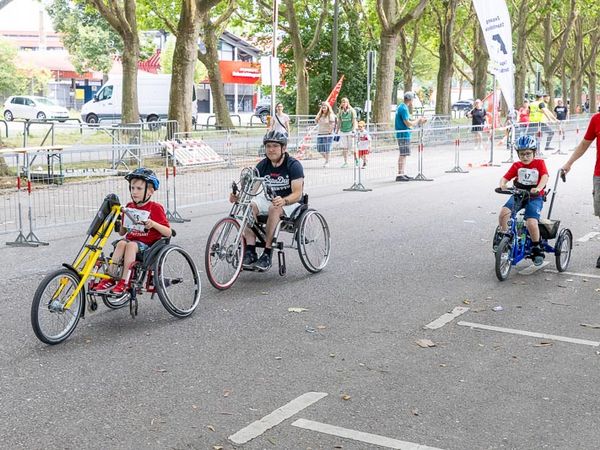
{"points": [[446, 318], [276, 417], [533, 268], [588, 236], [359, 435], [529, 333], [573, 274]]}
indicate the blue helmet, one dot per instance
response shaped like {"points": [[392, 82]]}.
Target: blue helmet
{"points": [[144, 174], [526, 142]]}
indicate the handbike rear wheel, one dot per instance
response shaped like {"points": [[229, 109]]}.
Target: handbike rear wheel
{"points": [[314, 241], [562, 251], [177, 281], [504, 258], [51, 323], [224, 256]]}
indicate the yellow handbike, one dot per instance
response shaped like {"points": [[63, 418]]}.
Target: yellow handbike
{"points": [[164, 269]]}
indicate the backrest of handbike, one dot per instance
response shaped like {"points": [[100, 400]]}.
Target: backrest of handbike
{"points": [[109, 201]]}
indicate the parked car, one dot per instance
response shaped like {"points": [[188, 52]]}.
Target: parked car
{"points": [[263, 109], [462, 106], [33, 107]]}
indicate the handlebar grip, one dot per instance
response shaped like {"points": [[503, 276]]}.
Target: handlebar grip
{"points": [[234, 188], [563, 176]]}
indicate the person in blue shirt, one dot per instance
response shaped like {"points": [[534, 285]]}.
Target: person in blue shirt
{"points": [[403, 124]]}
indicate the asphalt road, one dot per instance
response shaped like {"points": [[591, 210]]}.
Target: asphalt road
{"points": [[403, 255]]}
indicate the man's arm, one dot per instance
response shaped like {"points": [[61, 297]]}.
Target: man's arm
{"points": [[578, 153], [294, 197]]}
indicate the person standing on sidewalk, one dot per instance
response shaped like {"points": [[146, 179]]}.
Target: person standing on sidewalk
{"points": [[539, 116], [403, 125], [477, 115], [593, 132], [561, 112], [346, 127], [325, 121], [281, 121]]}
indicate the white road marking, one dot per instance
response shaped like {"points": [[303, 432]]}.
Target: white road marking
{"points": [[276, 417], [359, 436], [573, 274], [446, 318], [533, 268], [530, 333], [588, 236]]}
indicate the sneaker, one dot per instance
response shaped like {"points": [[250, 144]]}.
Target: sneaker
{"points": [[364, 164], [537, 254], [119, 288], [538, 260], [402, 177], [264, 263], [104, 285], [598, 263], [344, 165], [249, 259]]}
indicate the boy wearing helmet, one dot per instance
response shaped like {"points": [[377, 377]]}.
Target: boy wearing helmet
{"points": [[152, 224], [286, 178], [530, 174]]}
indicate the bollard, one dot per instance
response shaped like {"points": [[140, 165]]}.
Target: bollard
{"points": [[420, 176], [457, 168]]}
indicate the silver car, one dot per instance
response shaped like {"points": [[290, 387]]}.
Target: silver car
{"points": [[33, 107]]}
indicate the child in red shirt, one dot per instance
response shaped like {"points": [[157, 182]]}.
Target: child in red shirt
{"points": [[530, 174], [150, 225], [363, 144]]}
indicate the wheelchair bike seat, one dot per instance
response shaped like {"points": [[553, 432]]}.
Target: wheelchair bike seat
{"points": [[302, 206]]}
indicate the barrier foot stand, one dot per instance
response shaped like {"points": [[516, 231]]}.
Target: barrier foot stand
{"points": [[358, 187], [421, 177], [32, 238], [509, 160], [21, 241], [176, 218], [457, 169]]}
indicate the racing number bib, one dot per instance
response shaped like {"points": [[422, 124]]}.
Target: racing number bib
{"points": [[528, 177]]}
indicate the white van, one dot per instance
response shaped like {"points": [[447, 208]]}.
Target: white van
{"points": [[153, 99]]}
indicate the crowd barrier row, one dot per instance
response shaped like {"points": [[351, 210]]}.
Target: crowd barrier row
{"points": [[41, 195]]}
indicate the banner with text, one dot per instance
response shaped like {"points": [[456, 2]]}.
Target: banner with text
{"points": [[495, 22]]}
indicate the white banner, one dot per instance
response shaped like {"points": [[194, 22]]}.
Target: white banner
{"points": [[495, 23]]}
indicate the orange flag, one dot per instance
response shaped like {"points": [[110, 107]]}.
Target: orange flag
{"points": [[335, 92]]}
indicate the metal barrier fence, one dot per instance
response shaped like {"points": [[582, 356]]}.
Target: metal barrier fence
{"points": [[41, 195]]}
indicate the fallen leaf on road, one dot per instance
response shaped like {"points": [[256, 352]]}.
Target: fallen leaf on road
{"points": [[559, 304], [590, 325], [346, 397], [459, 276], [597, 289], [160, 370], [297, 310], [211, 428], [467, 302], [226, 392], [425, 343], [415, 412], [321, 327], [543, 344], [217, 447], [561, 285]]}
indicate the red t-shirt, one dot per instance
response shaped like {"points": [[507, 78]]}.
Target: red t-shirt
{"points": [[593, 132], [524, 115], [527, 176], [151, 210]]}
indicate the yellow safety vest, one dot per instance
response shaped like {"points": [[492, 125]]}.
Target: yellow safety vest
{"points": [[536, 114]]}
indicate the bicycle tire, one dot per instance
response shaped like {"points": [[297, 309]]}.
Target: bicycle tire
{"points": [[314, 241], [504, 258], [563, 250], [176, 278], [222, 254], [66, 320]]}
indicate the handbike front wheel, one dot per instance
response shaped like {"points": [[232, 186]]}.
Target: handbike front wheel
{"points": [[224, 254], [177, 281], [51, 322], [314, 241], [562, 251], [504, 258]]}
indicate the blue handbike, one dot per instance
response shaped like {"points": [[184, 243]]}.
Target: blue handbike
{"points": [[512, 247]]}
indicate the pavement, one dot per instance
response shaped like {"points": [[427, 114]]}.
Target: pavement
{"points": [[356, 369]]}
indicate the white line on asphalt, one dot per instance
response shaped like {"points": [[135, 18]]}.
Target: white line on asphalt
{"points": [[446, 318], [573, 274], [359, 435], [530, 333], [588, 236], [533, 268], [276, 417]]}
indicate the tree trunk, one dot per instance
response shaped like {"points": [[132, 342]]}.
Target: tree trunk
{"points": [[521, 61], [388, 45], [184, 60], [480, 63], [129, 102], [592, 79], [576, 67], [446, 51], [302, 91]]}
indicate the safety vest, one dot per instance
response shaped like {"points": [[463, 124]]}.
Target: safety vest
{"points": [[536, 114]]}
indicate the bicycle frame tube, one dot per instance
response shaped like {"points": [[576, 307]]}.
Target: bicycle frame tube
{"points": [[88, 256]]}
